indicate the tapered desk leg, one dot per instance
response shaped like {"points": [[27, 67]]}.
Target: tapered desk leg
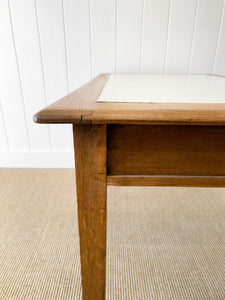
{"points": [[90, 162]]}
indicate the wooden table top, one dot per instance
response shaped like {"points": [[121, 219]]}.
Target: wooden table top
{"points": [[142, 99]]}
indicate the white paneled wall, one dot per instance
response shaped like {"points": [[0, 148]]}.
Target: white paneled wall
{"points": [[49, 48]]}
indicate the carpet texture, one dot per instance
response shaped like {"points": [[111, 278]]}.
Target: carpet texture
{"points": [[163, 243]]}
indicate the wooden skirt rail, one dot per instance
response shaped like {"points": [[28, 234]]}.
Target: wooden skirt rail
{"points": [[182, 181], [158, 155]]}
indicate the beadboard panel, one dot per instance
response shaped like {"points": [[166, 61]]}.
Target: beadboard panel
{"points": [[11, 96], [103, 31], [155, 35], [30, 67], [129, 32], [206, 33], [78, 43], [180, 32], [53, 48], [49, 48], [219, 60]]}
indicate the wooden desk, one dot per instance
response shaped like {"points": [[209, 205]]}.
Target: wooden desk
{"points": [[176, 140]]}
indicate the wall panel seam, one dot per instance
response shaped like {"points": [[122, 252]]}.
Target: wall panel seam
{"points": [[65, 46], [193, 36], [116, 36], [141, 36], [19, 77], [167, 37], [42, 69], [90, 37], [219, 37], [66, 57]]}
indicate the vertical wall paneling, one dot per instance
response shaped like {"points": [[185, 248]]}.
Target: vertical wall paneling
{"points": [[76, 16], [65, 45], [52, 38], [193, 36], [206, 35], [129, 18], [167, 36], [155, 24], [219, 60], [4, 143], [28, 53], [141, 36], [182, 19], [103, 35], [116, 35], [10, 86], [49, 48]]}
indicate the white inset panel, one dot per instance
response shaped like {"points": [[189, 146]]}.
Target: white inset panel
{"points": [[164, 89]]}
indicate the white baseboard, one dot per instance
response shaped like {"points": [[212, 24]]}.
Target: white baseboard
{"points": [[36, 160]]}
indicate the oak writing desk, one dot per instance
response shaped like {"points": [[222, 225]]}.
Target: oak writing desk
{"points": [[143, 130]]}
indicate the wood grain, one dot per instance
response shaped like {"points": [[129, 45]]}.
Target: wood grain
{"points": [[90, 161], [166, 150], [74, 106], [81, 107], [158, 113], [178, 181]]}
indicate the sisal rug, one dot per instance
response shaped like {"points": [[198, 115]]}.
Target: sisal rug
{"points": [[163, 243]]}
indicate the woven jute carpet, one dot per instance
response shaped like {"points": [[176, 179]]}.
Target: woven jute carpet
{"points": [[163, 243]]}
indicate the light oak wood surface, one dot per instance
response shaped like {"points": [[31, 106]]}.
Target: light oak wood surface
{"points": [[72, 108], [157, 113], [166, 150], [152, 144], [90, 159], [166, 180], [81, 106]]}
